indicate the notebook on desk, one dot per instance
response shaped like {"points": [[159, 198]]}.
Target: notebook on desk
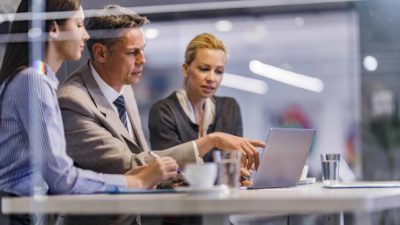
{"points": [[365, 184], [283, 158], [140, 191]]}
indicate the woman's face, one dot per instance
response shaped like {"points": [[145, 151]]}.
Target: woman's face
{"points": [[204, 75], [72, 37]]}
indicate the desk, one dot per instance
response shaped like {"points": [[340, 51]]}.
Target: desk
{"points": [[215, 208]]}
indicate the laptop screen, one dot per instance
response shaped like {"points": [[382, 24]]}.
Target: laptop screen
{"points": [[283, 158]]}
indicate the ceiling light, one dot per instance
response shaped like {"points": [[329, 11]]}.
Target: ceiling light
{"points": [[151, 33], [244, 83], [285, 76], [223, 25], [34, 32], [299, 21], [370, 63], [255, 34]]}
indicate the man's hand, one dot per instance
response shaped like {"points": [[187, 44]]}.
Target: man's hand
{"points": [[136, 170], [153, 173]]}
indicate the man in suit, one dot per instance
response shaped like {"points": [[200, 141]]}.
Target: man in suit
{"points": [[100, 115], [101, 120]]}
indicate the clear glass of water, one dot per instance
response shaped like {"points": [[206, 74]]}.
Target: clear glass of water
{"points": [[228, 163], [330, 168]]}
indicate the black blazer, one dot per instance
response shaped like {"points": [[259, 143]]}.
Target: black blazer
{"points": [[170, 126]]}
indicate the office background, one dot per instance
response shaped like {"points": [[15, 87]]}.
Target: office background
{"points": [[350, 47]]}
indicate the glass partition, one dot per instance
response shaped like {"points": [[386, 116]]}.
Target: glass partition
{"points": [[332, 67]]}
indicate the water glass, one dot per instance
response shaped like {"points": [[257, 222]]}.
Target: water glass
{"points": [[228, 169], [330, 168]]}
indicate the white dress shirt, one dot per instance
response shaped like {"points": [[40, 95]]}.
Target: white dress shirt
{"points": [[111, 95]]}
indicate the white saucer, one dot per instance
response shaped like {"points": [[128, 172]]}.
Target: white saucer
{"points": [[214, 189], [308, 180]]}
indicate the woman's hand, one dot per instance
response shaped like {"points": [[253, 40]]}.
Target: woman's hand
{"points": [[250, 155], [245, 177]]}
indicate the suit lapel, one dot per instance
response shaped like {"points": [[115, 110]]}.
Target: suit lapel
{"points": [[134, 116], [102, 104]]}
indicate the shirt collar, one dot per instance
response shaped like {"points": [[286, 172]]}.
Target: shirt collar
{"points": [[109, 92], [53, 80]]}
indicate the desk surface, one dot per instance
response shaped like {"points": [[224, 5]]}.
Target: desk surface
{"points": [[302, 199]]}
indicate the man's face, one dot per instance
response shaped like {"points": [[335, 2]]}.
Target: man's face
{"points": [[125, 59]]}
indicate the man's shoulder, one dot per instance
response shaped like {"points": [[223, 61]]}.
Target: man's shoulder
{"points": [[73, 85], [73, 89]]}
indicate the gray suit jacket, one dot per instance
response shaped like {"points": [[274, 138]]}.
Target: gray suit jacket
{"points": [[96, 138]]}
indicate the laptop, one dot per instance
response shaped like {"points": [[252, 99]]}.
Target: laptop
{"points": [[283, 158]]}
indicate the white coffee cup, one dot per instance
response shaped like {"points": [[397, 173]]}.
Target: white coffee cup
{"points": [[201, 175]]}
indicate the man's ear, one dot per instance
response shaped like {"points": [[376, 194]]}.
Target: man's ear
{"points": [[54, 31], [100, 52]]}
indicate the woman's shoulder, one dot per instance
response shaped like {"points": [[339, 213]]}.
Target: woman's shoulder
{"points": [[27, 84], [163, 106], [168, 101], [27, 76]]}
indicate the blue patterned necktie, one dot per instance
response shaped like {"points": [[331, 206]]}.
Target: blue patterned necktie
{"points": [[120, 103]]}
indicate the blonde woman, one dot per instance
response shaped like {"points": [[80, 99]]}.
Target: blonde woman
{"points": [[194, 111]]}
